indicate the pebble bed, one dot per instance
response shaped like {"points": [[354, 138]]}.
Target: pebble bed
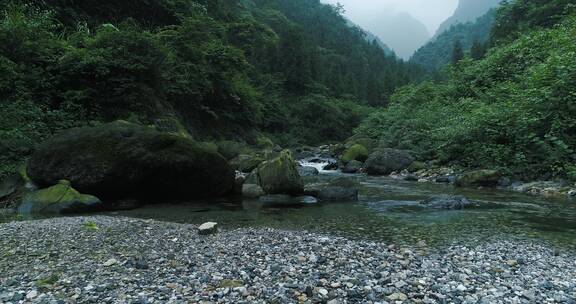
{"points": [[121, 260]]}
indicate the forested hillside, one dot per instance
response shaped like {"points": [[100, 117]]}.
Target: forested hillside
{"points": [[223, 69], [471, 36], [514, 109]]}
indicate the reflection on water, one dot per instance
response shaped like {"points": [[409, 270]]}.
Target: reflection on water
{"points": [[388, 210]]}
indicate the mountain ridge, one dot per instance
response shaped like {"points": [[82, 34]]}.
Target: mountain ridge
{"points": [[466, 11]]}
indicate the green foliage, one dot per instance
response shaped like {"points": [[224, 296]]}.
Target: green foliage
{"points": [[355, 152], [457, 52], [90, 225], [223, 69], [520, 16], [318, 118], [515, 109]]}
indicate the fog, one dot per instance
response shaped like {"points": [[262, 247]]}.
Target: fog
{"points": [[380, 16]]}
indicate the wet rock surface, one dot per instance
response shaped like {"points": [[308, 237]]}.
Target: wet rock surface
{"points": [[121, 260]]}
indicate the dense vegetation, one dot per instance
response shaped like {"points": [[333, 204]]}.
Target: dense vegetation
{"points": [[472, 36], [515, 109], [223, 69]]}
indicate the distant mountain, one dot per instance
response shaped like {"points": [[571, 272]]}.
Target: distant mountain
{"points": [[468, 10], [438, 52], [402, 32], [372, 38]]}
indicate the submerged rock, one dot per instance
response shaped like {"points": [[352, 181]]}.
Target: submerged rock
{"points": [[58, 199], [283, 200], [280, 175], [386, 161], [447, 202], [341, 189], [122, 160], [336, 193], [479, 178]]}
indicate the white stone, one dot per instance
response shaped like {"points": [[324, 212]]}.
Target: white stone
{"points": [[398, 297], [31, 295], [208, 228], [110, 262]]}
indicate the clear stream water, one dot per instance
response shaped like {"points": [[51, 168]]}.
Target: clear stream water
{"points": [[388, 211]]}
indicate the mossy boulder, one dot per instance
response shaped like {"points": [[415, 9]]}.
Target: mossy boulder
{"points": [[354, 152], [121, 160], [58, 199], [368, 143], [264, 142], [280, 175], [479, 178], [386, 161]]}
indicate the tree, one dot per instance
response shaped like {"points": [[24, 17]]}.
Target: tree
{"points": [[478, 50], [457, 52]]}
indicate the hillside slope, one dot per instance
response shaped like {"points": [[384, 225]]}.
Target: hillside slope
{"points": [[467, 11], [438, 52], [293, 70], [513, 110]]}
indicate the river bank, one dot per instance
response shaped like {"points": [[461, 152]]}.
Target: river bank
{"points": [[120, 260]]}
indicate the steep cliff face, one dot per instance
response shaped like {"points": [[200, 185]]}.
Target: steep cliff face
{"points": [[467, 10]]}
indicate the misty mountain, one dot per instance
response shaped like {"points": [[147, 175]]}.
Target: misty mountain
{"points": [[402, 32], [467, 10], [438, 52]]}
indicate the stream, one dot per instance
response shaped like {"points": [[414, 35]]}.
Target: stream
{"points": [[388, 210]]}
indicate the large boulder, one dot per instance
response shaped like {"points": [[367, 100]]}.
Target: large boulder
{"points": [[122, 160], [279, 175], [355, 152], [307, 171], [386, 161], [352, 167], [58, 199], [479, 178]]}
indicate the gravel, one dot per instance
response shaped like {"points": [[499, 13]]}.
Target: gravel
{"points": [[121, 260]]}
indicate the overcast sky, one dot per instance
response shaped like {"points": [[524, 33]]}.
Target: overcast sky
{"points": [[430, 12]]}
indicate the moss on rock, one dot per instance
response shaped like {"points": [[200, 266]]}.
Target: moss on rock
{"points": [[122, 160], [355, 152], [479, 178], [58, 199], [280, 175]]}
